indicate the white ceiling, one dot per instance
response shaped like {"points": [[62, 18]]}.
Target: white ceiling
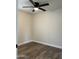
{"points": [[53, 4]]}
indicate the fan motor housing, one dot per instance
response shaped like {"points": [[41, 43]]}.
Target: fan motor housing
{"points": [[36, 4]]}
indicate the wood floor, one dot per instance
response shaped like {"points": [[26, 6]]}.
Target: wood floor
{"points": [[38, 51]]}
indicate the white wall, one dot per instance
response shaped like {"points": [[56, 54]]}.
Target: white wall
{"points": [[47, 27], [24, 27]]}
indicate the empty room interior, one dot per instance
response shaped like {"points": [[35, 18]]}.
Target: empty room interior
{"points": [[39, 29]]}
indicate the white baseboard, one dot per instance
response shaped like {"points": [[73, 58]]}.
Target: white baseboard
{"points": [[25, 42], [48, 44], [40, 43]]}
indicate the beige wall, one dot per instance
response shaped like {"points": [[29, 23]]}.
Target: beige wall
{"points": [[47, 27], [44, 27], [24, 26]]}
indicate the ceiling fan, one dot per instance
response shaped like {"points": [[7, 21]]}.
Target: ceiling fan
{"points": [[36, 6]]}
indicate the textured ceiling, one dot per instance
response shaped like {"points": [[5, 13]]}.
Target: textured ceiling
{"points": [[53, 5]]}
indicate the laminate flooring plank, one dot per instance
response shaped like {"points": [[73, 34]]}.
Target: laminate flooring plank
{"points": [[35, 50]]}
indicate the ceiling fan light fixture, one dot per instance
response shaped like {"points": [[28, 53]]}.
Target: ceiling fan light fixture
{"points": [[36, 9], [36, 6]]}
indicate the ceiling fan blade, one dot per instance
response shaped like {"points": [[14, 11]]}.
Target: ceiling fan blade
{"points": [[46, 4], [42, 9], [28, 7], [32, 2]]}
